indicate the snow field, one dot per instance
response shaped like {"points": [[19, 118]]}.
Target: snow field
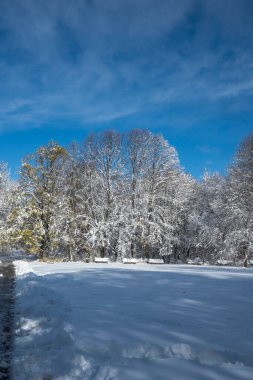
{"points": [[105, 322]]}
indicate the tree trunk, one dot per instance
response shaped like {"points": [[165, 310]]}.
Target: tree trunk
{"points": [[71, 258], [132, 248], [245, 261]]}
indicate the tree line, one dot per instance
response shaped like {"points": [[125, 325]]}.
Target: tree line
{"points": [[125, 195]]}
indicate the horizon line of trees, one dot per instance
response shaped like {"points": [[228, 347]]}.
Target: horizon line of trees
{"points": [[125, 195]]}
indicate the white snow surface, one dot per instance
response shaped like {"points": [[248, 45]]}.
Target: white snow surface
{"points": [[142, 322]]}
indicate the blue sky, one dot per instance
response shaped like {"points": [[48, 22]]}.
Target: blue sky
{"points": [[183, 68]]}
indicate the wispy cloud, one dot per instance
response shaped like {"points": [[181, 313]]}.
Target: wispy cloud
{"points": [[96, 61]]}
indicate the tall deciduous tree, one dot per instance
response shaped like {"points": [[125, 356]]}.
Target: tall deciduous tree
{"points": [[6, 189], [127, 196], [240, 202], [104, 167], [39, 190]]}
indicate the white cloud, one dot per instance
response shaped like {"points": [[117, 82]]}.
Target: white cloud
{"points": [[96, 61]]}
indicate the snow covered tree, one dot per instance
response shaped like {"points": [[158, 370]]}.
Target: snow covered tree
{"points": [[126, 195], [78, 203], [138, 144], [36, 210], [104, 174], [159, 187], [155, 201], [203, 228], [239, 240], [6, 190]]}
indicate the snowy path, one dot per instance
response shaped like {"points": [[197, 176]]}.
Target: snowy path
{"points": [[84, 321], [7, 274]]}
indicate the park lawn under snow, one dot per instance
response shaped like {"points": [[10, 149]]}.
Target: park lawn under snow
{"points": [[95, 321]]}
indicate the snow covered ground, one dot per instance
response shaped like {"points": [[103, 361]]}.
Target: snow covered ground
{"points": [[104, 322]]}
